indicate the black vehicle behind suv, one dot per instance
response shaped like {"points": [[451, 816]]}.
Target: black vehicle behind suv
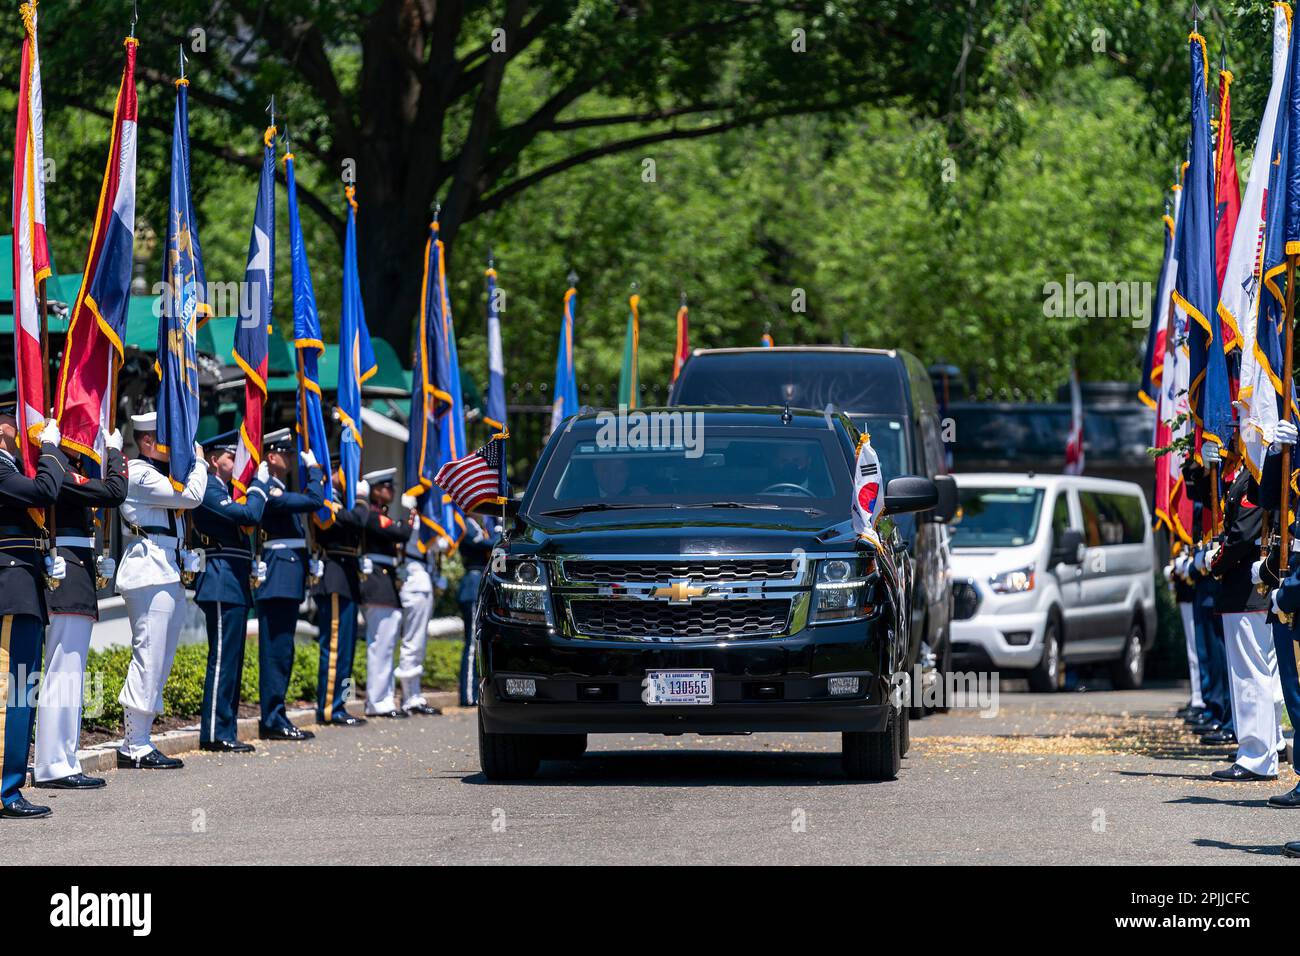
{"points": [[709, 582], [887, 393]]}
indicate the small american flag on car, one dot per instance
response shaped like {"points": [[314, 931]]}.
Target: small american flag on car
{"points": [[478, 479]]}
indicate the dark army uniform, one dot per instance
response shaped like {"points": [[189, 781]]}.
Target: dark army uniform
{"points": [[337, 596]]}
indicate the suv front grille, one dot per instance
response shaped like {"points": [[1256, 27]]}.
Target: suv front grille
{"points": [[655, 572], [701, 619], [965, 600]]}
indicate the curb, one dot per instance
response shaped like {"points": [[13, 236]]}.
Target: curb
{"points": [[103, 757]]}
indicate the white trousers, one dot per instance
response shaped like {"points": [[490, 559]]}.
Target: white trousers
{"points": [[156, 614], [382, 627], [1193, 664], [1252, 671], [417, 606], [58, 712]]}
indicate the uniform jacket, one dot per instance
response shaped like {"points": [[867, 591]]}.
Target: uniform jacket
{"points": [[22, 563], [1242, 523], [286, 568], [75, 518], [340, 546], [1270, 493], [150, 555], [221, 527], [382, 537]]}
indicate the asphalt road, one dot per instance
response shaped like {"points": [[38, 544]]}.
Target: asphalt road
{"points": [[1099, 777]]}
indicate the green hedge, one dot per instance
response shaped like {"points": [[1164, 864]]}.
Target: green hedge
{"points": [[183, 694]]}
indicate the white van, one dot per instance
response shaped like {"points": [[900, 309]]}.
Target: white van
{"points": [[1050, 570]]}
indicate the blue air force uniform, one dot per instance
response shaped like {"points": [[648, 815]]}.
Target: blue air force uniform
{"points": [[337, 596], [284, 549], [223, 592], [1212, 656], [23, 612]]}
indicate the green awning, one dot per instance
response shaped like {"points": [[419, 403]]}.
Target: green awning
{"points": [[390, 379], [217, 337]]}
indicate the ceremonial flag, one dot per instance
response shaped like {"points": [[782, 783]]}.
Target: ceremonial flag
{"points": [[30, 250], [184, 303], [867, 499], [1160, 365], [422, 440], [1157, 331], [566, 385], [1239, 297], [93, 353], [251, 350], [683, 350], [1074, 444], [450, 523], [628, 382], [1175, 380], [356, 358], [1196, 289], [495, 413], [478, 479], [1227, 189], [308, 345]]}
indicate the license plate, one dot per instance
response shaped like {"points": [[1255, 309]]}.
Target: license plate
{"points": [[678, 687]]}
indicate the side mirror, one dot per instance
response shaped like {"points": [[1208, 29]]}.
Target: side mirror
{"points": [[946, 510], [910, 493], [1069, 548]]}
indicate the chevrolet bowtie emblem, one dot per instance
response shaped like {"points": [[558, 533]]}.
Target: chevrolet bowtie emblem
{"points": [[681, 592]]}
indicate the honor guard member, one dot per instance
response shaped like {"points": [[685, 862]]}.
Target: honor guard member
{"points": [[1252, 662], [337, 594], [74, 609], [23, 570], [417, 607], [475, 553], [383, 538], [283, 584], [149, 580], [1184, 593], [224, 590]]}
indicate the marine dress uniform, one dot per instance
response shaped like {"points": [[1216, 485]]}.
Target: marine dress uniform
{"points": [[284, 550], [149, 580], [1216, 724], [417, 607], [336, 596], [224, 593], [383, 538], [74, 609], [22, 609], [1184, 594]]}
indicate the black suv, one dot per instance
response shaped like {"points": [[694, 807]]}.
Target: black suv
{"points": [[695, 570]]}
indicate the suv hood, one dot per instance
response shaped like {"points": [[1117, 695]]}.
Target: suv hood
{"points": [[982, 562]]}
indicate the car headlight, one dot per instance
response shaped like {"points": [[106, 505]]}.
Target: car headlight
{"points": [[522, 592], [1013, 582], [842, 590]]}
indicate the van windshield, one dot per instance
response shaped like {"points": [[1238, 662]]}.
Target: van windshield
{"points": [[997, 517]]}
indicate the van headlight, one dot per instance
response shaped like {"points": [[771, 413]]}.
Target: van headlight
{"points": [[842, 590], [522, 592], [1013, 582]]}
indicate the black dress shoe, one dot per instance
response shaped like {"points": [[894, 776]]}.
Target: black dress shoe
{"points": [[1286, 801], [284, 733], [392, 714], [1239, 774], [1292, 850], [227, 746], [1218, 738], [20, 809], [347, 720], [153, 760], [1203, 724], [423, 709], [74, 781]]}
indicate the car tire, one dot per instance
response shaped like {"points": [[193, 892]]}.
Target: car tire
{"points": [[506, 756], [873, 756], [1127, 672], [1048, 674], [562, 746], [904, 732], [944, 668]]}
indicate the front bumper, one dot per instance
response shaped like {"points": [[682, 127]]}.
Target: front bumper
{"points": [[983, 639]]}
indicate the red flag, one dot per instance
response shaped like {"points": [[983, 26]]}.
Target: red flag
{"points": [[1227, 191], [683, 340], [31, 252]]}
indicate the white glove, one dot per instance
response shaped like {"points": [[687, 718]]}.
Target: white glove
{"points": [[1210, 453], [1254, 571], [192, 561], [114, 440], [367, 566], [1284, 433], [409, 502], [198, 453], [308, 458], [50, 433], [443, 545], [1169, 571], [363, 490], [263, 473], [105, 566], [56, 568], [1272, 601], [259, 571], [316, 568]]}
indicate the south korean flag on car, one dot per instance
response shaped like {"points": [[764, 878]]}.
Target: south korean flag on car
{"points": [[867, 500]]}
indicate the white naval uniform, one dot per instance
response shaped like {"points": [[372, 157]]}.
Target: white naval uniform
{"points": [[58, 729], [1193, 664], [417, 608], [149, 580], [383, 624], [1252, 674]]}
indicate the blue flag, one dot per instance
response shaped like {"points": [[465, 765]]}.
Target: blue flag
{"points": [[495, 412], [308, 345], [450, 523], [566, 384], [184, 303], [356, 359], [1196, 291], [422, 442]]}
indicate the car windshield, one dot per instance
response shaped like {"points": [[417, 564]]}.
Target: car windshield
{"points": [[997, 517], [726, 467]]}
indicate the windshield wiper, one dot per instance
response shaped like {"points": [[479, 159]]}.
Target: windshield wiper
{"points": [[594, 506], [756, 505]]}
